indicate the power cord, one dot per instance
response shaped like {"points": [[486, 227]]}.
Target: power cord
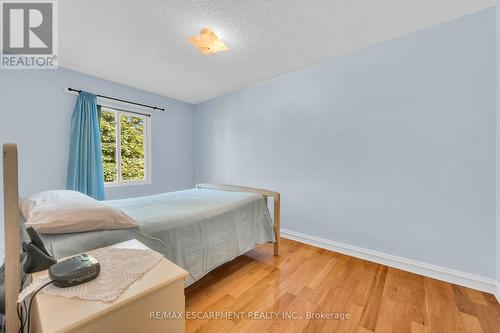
{"points": [[31, 302], [20, 308], [26, 322]]}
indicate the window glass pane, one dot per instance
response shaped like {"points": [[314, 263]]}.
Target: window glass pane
{"points": [[108, 142], [132, 147]]}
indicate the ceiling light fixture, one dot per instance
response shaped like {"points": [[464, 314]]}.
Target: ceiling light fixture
{"points": [[208, 42]]}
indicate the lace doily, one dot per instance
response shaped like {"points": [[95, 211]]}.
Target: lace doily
{"points": [[119, 269]]}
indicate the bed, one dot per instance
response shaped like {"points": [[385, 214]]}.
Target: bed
{"points": [[199, 229]]}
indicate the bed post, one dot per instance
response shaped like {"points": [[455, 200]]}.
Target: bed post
{"points": [[277, 206], [12, 236], [265, 194]]}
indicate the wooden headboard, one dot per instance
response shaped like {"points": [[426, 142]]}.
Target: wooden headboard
{"points": [[12, 236]]}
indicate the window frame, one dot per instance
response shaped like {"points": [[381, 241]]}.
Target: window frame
{"points": [[119, 109]]}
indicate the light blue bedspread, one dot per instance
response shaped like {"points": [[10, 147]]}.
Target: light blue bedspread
{"points": [[198, 229]]}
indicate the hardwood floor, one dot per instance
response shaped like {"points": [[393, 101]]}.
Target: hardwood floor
{"points": [[255, 293]]}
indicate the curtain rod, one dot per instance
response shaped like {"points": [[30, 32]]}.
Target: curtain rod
{"points": [[121, 100]]}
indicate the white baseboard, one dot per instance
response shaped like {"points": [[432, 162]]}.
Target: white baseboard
{"points": [[437, 272], [497, 294]]}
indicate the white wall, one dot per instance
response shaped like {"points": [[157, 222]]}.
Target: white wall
{"points": [[35, 113], [391, 148]]}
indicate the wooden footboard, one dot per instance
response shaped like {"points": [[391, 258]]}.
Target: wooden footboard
{"points": [[266, 194], [12, 236]]}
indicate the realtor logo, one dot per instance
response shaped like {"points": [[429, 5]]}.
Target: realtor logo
{"points": [[29, 34]]}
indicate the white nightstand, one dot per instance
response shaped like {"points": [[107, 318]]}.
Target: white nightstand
{"points": [[159, 290]]}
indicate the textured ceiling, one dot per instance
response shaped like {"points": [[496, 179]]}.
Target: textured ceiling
{"points": [[144, 44]]}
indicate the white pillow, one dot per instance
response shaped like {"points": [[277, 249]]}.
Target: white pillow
{"points": [[60, 212], [39, 199]]}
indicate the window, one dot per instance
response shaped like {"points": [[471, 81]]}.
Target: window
{"points": [[125, 153]]}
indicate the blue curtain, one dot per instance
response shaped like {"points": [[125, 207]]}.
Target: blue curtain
{"points": [[85, 155]]}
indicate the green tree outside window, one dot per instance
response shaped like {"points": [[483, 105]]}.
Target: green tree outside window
{"points": [[132, 145]]}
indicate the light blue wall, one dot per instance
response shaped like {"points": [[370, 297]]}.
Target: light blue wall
{"points": [[391, 148], [35, 114]]}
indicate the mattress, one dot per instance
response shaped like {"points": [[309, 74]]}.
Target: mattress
{"points": [[198, 229]]}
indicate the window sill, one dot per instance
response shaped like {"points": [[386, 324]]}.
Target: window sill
{"points": [[123, 184]]}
